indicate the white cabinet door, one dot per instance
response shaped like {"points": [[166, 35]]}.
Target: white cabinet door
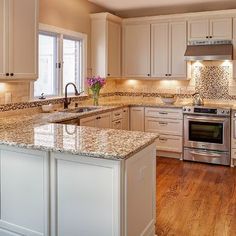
{"points": [[23, 37], [140, 189], [221, 28], [178, 44], [114, 50], [2, 39], [88, 121], [88, 195], [198, 29], [125, 123], [24, 192], [136, 50], [160, 50], [234, 44], [137, 119], [104, 121]]}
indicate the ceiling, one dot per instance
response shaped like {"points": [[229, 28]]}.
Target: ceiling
{"points": [[131, 8], [120, 5]]}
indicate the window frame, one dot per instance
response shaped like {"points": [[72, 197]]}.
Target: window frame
{"points": [[62, 34]]}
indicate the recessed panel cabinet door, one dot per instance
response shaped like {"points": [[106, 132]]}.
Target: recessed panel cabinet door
{"points": [[178, 44], [114, 50], [23, 32], [160, 50], [221, 28], [198, 29], [136, 50], [2, 39]]}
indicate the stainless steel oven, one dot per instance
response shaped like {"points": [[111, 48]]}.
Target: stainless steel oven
{"points": [[207, 135]]}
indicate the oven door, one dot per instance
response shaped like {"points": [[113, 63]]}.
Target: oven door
{"points": [[206, 132]]}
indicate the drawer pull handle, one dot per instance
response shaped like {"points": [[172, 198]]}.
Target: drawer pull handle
{"points": [[163, 139], [163, 123], [163, 113], [117, 114]]}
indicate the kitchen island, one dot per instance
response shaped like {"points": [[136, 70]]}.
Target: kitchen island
{"points": [[65, 180]]}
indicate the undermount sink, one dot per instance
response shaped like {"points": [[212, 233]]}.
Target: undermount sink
{"points": [[81, 109]]}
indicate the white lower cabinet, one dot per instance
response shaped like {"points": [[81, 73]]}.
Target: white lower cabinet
{"points": [[137, 119], [24, 197], [168, 123], [125, 123], [81, 195], [100, 121]]}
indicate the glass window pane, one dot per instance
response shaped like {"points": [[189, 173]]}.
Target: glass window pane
{"points": [[46, 82], [72, 64]]}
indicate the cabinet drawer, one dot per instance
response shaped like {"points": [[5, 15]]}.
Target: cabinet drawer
{"points": [[233, 153], [233, 143], [118, 124], [117, 115], [169, 143], [164, 126], [164, 113]]}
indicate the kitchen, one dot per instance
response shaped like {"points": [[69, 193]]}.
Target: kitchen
{"points": [[152, 149]]}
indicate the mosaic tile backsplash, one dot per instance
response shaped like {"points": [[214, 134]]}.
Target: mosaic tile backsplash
{"points": [[212, 82]]}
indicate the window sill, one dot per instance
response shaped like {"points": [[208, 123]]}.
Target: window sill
{"points": [[52, 98]]}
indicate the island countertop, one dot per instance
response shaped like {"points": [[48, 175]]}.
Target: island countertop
{"points": [[83, 141]]}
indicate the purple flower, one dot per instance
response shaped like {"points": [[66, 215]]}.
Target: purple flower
{"points": [[96, 83]]}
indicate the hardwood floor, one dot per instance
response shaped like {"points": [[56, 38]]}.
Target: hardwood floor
{"points": [[195, 199]]}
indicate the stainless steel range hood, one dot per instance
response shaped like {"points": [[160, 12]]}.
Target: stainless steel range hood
{"points": [[209, 50]]}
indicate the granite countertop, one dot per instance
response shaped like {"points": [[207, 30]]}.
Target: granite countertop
{"points": [[38, 131], [85, 141]]}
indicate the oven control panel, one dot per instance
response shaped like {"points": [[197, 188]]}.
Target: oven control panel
{"points": [[206, 111]]}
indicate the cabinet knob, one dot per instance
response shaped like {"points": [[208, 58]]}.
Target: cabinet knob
{"points": [[210, 37], [207, 37], [166, 74], [12, 74], [148, 74], [108, 74], [7, 74]]}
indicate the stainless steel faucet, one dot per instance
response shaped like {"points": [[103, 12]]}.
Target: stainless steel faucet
{"points": [[67, 101]]}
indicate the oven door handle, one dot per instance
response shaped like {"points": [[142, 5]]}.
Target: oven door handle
{"points": [[205, 119], [205, 154]]}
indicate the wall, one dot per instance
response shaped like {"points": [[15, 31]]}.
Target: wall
{"points": [[69, 14]]}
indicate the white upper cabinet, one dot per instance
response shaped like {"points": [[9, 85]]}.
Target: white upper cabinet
{"points": [[23, 34], [2, 39], [106, 45], [234, 44], [178, 44], [169, 42], [19, 37], [114, 50], [221, 28], [160, 50], [136, 50], [215, 28], [198, 29]]}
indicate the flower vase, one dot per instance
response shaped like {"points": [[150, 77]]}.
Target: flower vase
{"points": [[95, 98]]}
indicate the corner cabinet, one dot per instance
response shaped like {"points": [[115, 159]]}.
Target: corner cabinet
{"points": [[215, 28], [19, 39], [169, 42], [136, 50], [106, 45]]}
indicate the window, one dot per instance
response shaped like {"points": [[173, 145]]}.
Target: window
{"points": [[71, 63], [47, 82], [62, 59]]}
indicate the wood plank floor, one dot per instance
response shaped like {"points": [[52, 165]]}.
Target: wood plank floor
{"points": [[195, 199]]}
